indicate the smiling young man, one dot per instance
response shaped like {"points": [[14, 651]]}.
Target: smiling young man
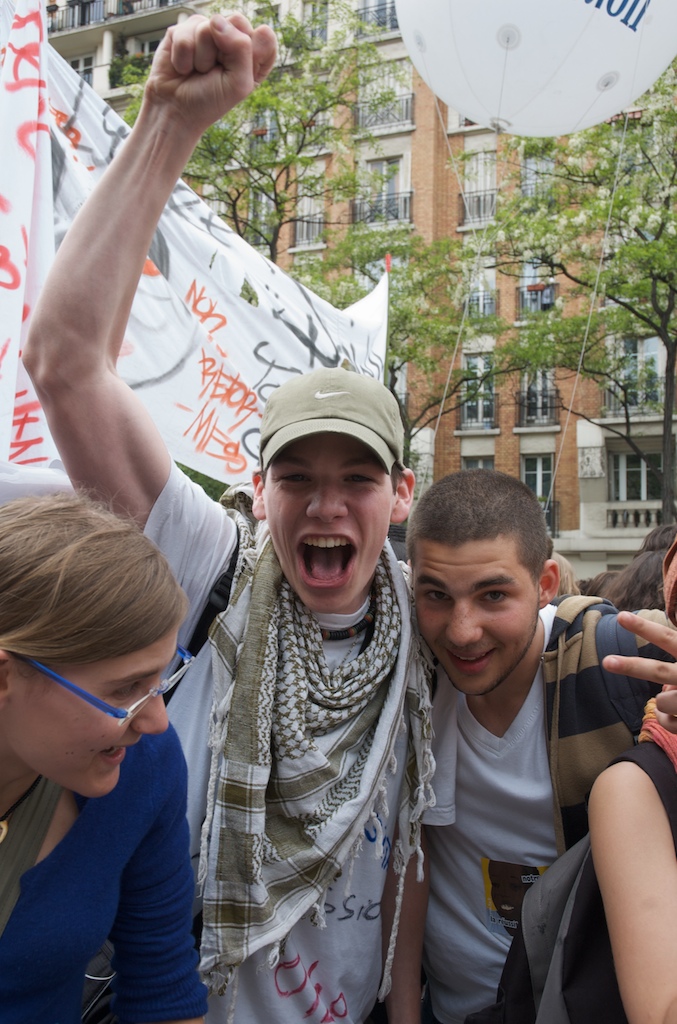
{"points": [[305, 719], [524, 718]]}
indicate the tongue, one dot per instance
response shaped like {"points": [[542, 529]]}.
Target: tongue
{"points": [[325, 564]]}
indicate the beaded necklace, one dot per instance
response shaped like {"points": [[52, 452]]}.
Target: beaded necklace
{"points": [[359, 627]]}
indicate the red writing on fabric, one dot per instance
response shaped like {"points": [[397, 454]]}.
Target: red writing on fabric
{"points": [[27, 57], [24, 438], [10, 276], [204, 308], [338, 1008], [3, 352], [29, 128], [211, 440], [223, 388]]}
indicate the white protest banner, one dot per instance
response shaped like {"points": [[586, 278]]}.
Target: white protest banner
{"points": [[215, 325], [26, 231]]}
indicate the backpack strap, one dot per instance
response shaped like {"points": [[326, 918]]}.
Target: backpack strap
{"points": [[217, 602]]}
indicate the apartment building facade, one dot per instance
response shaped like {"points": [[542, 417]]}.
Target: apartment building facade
{"points": [[599, 499]]}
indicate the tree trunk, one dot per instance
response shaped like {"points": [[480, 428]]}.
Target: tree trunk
{"points": [[668, 507]]}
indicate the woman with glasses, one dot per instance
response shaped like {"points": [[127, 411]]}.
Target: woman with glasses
{"points": [[93, 836]]}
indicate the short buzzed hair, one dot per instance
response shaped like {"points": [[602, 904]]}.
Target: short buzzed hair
{"points": [[481, 504]]}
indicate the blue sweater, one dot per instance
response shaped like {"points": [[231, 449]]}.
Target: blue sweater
{"points": [[122, 870]]}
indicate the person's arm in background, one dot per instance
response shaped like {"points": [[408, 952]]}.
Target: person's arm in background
{"points": [[634, 857], [664, 673], [108, 442], [403, 1003]]}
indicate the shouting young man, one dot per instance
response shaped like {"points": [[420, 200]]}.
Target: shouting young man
{"points": [[304, 720]]}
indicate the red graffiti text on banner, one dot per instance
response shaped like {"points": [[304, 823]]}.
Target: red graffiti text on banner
{"points": [[25, 419], [210, 440], [3, 352], [29, 128], [10, 276], [225, 389], [204, 307], [28, 54]]}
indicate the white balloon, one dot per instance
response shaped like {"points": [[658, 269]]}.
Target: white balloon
{"points": [[539, 67]]}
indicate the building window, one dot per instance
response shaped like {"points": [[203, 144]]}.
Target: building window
{"points": [[485, 462], [264, 131], [478, 409], [260, 223], [310, 222], [478, 202], [84, 67], [639, 365], [148, 47], [373, 113], [537, 175], [316, 19], [268, 14], [379, 15], [538, 401], [482, 295], [632, 480], [387, 202], [537, 292], [537, 474]]}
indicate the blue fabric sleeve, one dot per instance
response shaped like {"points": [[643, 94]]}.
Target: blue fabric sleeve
{"points": [[154, 951]]}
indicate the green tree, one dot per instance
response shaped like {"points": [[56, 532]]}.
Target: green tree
{"points": [[556, 198], [428, 295], [291, 146]]}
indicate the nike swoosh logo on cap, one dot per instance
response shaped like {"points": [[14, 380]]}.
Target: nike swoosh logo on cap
{"points": [[329, 394]]}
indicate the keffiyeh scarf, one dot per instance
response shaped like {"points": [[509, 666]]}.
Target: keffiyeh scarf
{"points": [[300, 755]]}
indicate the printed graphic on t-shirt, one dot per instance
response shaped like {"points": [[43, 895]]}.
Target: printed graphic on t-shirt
{"points": [[504, 888]]}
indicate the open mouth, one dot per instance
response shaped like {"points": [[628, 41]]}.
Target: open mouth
{"points": [[469, 664], [326, 559]]}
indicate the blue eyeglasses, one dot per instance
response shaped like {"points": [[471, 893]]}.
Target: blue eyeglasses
{"points": [[123, 715]]}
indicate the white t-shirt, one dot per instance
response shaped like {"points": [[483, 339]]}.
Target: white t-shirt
{"points": [[324, 974], [487, 846]]}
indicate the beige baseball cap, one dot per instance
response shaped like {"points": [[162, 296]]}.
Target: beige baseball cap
{"points": [[334, 401]]}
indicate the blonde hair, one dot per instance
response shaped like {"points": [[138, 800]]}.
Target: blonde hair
{"points": [[568, 583], [78, 584]]}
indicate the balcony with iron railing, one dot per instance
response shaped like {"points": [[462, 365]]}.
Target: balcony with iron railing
{"points": [[537, 298], [479, 412], [551, 511], [383, 207], [636, 401], [308, 230], [381, 16], [483, 303], [400, 111], [537, 408], [262, 136], [476, 207], [81, 13]]}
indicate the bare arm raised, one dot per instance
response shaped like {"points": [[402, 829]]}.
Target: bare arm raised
{"points": [[107, 440]]}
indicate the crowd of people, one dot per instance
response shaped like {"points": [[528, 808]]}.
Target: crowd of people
{"points": [[382, 758]]}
